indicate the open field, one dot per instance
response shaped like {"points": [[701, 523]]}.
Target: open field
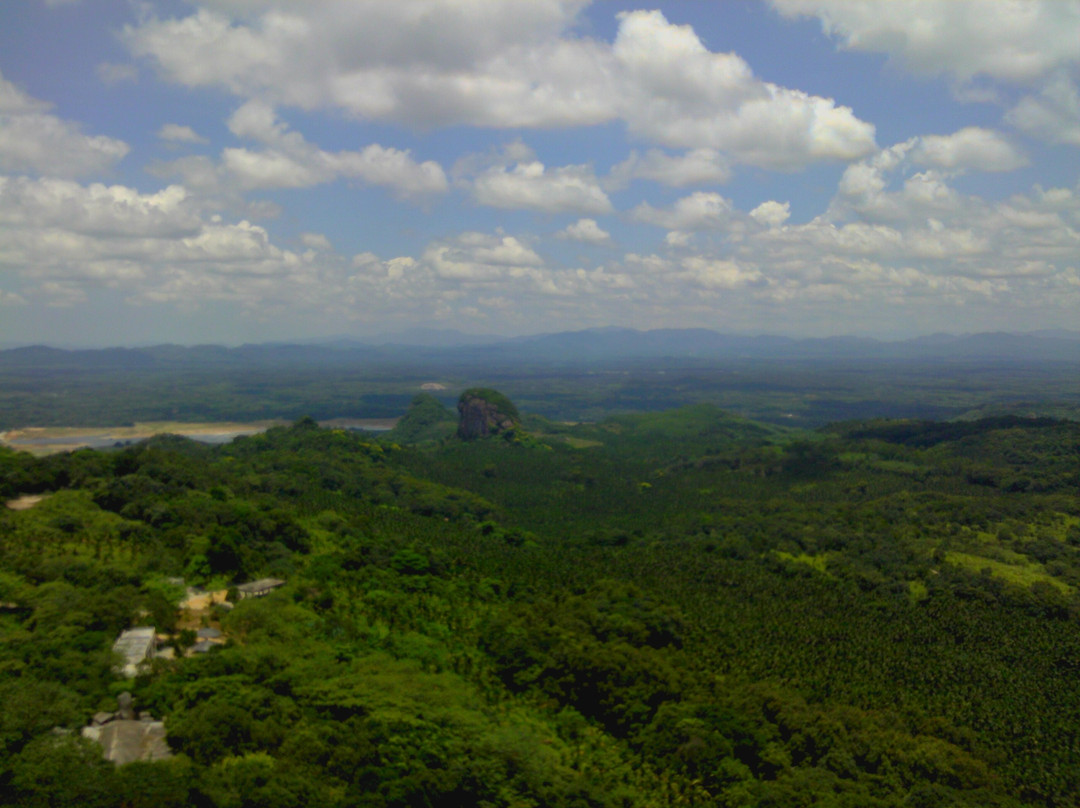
{"points": [[1023, 573]]}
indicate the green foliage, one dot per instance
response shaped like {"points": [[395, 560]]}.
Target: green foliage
{"points": [[163, 784], [61, 770], [679, 608], [688, 424], [425, 420]]}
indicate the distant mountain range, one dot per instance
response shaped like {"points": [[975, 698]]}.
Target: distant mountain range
{"points": [[568, 347]]}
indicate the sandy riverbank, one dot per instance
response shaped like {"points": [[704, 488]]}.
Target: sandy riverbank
{"points": [[39, 440]]}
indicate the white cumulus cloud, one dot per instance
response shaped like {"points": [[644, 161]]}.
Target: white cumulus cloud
{"points": [[180, 134], [288, 160], [1011, 40], [1029, 43], [531, 186], [696, 167], [712, 273], [1052, 115], [33, 140], [479, 257], [428, 62], [771, 213], [99, 210], [678, 93], [502, 63], [65, 240], [702, 210], [316, 241], [586, 231], [972, 148]]}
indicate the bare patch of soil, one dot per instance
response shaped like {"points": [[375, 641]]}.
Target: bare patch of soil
{"points": [[24, 502], [197, 606]]}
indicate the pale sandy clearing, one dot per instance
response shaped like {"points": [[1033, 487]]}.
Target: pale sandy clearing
{"points": [[195, 607], [24, 502], [203, 600]]}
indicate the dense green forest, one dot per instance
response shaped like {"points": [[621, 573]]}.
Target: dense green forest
{"points": [[679, 607]]}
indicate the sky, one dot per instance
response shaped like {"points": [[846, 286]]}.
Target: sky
{"points": [[236, 171]]}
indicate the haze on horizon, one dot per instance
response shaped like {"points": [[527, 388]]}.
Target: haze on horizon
{"points": [[224, 171]]}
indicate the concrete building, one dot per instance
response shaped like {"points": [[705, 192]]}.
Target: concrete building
{"points": [[256, 589], [135, 645], [126, 739]]}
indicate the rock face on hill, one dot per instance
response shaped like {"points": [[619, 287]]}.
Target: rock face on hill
{"points": [[483, 412]]}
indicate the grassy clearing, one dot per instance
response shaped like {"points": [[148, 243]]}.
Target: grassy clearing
{"points": [[897, 466], [818, 562], [1022, 573], [1053, 525], [917, 591], [580, 443]]}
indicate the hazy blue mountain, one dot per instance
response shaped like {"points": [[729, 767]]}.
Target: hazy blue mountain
{"points": [[435, 338], [589, 346]]}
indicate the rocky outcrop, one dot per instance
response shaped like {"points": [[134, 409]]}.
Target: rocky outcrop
{"points": [[483, 413]]}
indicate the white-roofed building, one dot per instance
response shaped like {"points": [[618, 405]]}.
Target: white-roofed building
{"points": [[135, 645]]}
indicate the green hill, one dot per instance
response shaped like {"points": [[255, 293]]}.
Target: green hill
{"points": [[425, 420]]}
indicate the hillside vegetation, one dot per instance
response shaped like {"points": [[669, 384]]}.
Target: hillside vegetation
{"points": [[674, 608]]}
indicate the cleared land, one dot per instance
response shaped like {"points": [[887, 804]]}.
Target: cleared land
{"points": [[24, 502]]}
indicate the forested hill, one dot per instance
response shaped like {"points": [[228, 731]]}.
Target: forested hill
{"points": [[678, 608]]}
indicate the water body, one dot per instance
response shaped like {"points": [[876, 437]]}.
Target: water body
{"points": [[363, 428], [102, 442], [99, 441], [107, 439]]}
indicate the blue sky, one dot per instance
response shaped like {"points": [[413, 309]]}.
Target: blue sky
{"points": [[248, 170]]}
